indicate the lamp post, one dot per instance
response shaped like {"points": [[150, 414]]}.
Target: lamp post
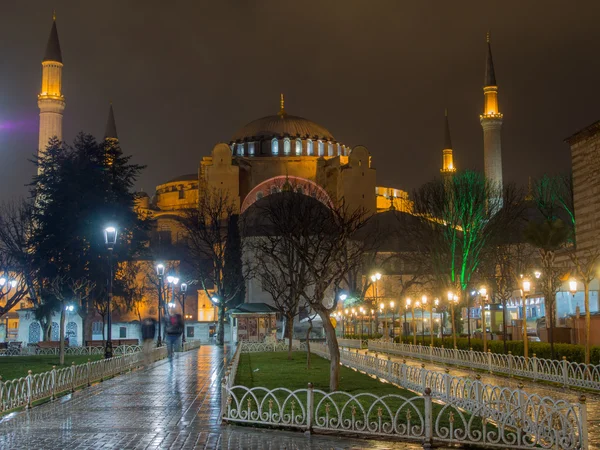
{"points": [[424, 303], [526, 291], [344, 324], [160, 272], [110, 239], [436, 302], [392, 307], [417, 306], [362, 320], [453, 299], [183, 288], [374, 279], [412, 312], [483, 301], [216, 302]]}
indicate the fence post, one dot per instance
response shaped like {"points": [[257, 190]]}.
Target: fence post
{"points": [[471, 357], [223, 398], [431, 352], [510, 362], [565, 371], [447, 382], [309, 407], [73, 376], [53, 387], [583, 431], [389, 368], [428, 441], [478, 392], [534, 364], [489, 358], [423, 376], [88, 370], [29, 382]]}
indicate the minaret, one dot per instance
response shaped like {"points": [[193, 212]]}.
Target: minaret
{"points": [[448, 167], [491, 122], [110, 132], [50, 99]]}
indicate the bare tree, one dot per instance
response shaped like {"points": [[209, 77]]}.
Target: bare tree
{"points": [[322, 236], [207, 228], [132, 277]]}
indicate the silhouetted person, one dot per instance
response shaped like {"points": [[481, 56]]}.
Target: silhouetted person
{"points": [[148, 332], [173, 330]]}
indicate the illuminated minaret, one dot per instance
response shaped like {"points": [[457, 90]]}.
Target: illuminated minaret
{"points": [[110, 132], [50, 100], [448, 167], [491, 122]]}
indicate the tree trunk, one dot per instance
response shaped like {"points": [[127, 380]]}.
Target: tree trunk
{"points": [[334, 351], [308, 344], [551, 327], [62, 334], [504, 325], [103, 335], [221, 327], [586, 291], [47, 329], [289, 332]]}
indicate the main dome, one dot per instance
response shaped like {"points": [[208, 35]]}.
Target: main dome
{"points": [[281, 125]]}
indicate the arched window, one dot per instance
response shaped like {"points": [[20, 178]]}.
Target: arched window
{"points": [[287, 147], [298, 147], [309, 147], [34, 332], [338, 149], [274, 146], [259, 195], [329, 149], [251, 148], [232, 147], [240, 149], [321, 148]]}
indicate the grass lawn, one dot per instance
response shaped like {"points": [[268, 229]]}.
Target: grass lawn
{"points": [[17, 366], [274, 370]]}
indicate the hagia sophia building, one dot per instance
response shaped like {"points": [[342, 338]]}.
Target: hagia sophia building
{"points": [[252, 164]]}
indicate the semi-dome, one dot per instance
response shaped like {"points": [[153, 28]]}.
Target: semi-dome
{"points": [[281, 125]]}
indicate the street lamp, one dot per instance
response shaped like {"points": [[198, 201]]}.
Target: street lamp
{"points": [[526, 291], [436, 302], [573, 287], [417, 306], [453, 300], [160, 272], [483, 301], [110, 239], [424, 303], [173, 281], [392, 305], [183, 288], [374, 279]]}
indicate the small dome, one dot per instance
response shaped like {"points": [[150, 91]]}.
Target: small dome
{"points": [[282, 125]]}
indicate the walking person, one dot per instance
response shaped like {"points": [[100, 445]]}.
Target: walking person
{"points": [[148, 332], [174, 330]]}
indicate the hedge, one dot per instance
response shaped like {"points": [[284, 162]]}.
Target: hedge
{"points": [[574, 353]]}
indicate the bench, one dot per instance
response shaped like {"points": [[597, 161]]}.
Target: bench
{"points": [[116, 342], [49, 344]]}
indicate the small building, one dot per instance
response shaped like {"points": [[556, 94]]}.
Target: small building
{"points": [[253, 322]]}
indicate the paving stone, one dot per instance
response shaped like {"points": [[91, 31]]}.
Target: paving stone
{"points": [[167, 406]]}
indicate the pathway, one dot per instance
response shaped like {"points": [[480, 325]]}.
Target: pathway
{"points": [[168, 406], [542, 389]]}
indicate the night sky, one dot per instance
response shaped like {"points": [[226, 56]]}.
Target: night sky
{"points": [[184, 75]]}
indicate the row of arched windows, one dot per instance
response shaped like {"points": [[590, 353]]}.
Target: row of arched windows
{"points": [[284, 146]]}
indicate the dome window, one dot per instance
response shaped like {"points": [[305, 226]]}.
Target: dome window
{"points": [[329, 149], [240, 149], [287, 147], [274, 146], [298, 147], [309, 147], [251, 148], [321, 147]]}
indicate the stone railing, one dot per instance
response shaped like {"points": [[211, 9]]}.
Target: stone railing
{"points": [[568, 374], [537, 420], [276, 346], [85, 350], [352, 343]]}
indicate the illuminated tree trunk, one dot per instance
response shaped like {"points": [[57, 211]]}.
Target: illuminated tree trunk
{"points": [[586, 291], [334, 351]]}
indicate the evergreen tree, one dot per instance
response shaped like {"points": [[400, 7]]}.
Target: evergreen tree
{"points": [[233, 274], [78, 191]]}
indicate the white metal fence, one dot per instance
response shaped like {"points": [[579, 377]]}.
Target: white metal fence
{"points": [[450, 409], [569, 374], [22, 392]]}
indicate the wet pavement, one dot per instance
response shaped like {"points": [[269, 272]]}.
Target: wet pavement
{"points": [[531, 387], [164, 407]]}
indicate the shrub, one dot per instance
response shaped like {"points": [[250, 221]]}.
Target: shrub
{"points": [[572, 352]]}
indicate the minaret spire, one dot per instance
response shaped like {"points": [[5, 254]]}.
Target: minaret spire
{"points": [[448, 167], [111, 126], [491, 122], [50, 99]]}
